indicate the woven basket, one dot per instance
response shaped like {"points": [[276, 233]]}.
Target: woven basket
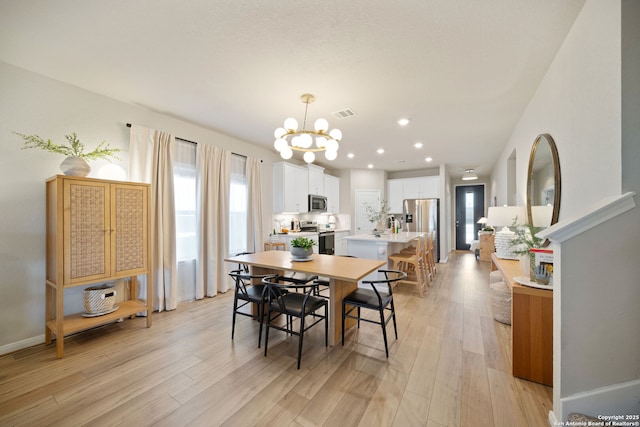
{"points": [[99, 299]]}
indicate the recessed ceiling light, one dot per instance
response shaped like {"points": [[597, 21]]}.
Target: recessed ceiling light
{"points": [[403, 122], [380, 150], [350, 155], [370, 166], [428, 159], [418, 145]]}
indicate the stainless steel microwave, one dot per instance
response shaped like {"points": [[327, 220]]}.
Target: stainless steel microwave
{"points": [[317, 203]]}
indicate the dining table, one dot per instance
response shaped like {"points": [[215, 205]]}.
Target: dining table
{"points": [[343, 273]]}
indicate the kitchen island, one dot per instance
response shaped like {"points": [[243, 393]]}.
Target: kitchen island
{"points": [[371, 247]]}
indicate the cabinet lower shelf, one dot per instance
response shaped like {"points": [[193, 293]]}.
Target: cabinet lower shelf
{"points": [[76, 322]]}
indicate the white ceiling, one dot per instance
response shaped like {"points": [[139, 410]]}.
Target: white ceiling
{"points": [[462, 70]]}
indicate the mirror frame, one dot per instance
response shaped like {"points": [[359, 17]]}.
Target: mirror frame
{"points": [[545, 137]]}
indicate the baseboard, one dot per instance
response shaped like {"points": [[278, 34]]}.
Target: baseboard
{"points": [[553, 421], [21, 345], [617, 399]]}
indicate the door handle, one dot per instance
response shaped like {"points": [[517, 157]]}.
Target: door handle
{"points": [[457, 223]]}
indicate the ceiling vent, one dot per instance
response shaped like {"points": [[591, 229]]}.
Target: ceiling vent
{"points": [[343, 114]]}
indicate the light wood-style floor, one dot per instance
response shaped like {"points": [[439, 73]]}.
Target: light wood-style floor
{"points": [[450, 367]]}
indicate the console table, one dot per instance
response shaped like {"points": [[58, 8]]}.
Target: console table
{"points": [[531, 325]]}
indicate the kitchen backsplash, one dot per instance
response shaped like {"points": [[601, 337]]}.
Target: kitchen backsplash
{"points": [[342, 221]]}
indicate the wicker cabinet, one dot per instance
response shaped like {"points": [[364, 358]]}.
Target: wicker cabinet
{"points": [[97, 231]]}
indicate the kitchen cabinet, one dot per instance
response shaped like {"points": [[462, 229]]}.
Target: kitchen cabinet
{"points": [[425, 187], [395, 195], [341, 243], [96, 231], [290, 188], [316, 180], [332, 192]]}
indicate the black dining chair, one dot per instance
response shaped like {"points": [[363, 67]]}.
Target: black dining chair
{"points": [[379, 298], [249, 289], [294, 300]]}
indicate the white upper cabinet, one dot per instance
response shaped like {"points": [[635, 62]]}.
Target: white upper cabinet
{"points": [[426, 187], [316, 180], [332, 192], [290, 188], [395, 195]]}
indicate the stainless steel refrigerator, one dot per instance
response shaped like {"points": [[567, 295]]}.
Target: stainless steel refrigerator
{"points": [[423, 215]]}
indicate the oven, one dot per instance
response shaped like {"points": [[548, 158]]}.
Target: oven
{"points": [[327, 242]]}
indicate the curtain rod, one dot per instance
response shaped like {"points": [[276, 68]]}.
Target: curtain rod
{"points": [[193, 142]]}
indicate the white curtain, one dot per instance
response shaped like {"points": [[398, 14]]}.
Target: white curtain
{"points": [[151, 161], [254, 205], [212, 217]]}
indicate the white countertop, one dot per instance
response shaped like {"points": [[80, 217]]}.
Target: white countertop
{"points": [[402, 237], [293, 234]]}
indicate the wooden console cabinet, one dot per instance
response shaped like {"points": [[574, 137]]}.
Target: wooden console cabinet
{"points": [[531, 325], [487, 246], [97, 231]]}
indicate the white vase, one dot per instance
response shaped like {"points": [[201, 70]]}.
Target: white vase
{"points": [[75, 166]]}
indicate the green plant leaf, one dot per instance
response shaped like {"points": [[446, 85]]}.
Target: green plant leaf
{"points": [[74, 148]]}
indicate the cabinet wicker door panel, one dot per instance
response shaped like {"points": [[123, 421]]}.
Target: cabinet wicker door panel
{"points": [[130, 217], [87, 231]]}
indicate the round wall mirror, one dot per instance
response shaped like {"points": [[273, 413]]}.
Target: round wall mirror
{"points": [[543, 183]]}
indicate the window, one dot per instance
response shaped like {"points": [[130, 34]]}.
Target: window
{"points": [[469, 223], [184, 180], [238, 197]]}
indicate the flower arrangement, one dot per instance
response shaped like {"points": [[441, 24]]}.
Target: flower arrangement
{"points": [[303, 242], [377, 215], [75, 148]]}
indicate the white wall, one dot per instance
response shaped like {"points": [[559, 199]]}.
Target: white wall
{"points": [[362, 179], [30, 103], [579, 104]]}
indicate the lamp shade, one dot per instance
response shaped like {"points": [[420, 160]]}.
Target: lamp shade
{"points": [[482, 220], [541, 215], [506, 215]]}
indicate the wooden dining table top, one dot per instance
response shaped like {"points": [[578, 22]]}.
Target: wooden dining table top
{"points": [[336, 267]]}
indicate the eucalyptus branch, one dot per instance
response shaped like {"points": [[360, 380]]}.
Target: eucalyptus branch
{"points": [[74, 148], [375, 215], [525, 239]]}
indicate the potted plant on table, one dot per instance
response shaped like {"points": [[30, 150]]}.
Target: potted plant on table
{"points": [[76, 163], [302, 247], [525, 239]]}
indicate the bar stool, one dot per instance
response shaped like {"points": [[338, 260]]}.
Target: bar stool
{"points": [[431, 256], [411, 263], [275, 246]]}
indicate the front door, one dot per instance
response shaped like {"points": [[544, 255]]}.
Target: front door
{"points": [[469, 209]]}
